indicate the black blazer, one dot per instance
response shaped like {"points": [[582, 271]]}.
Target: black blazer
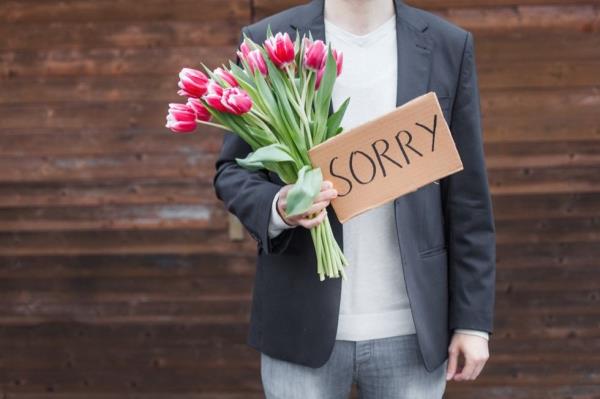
{"points": [[446, 231]]}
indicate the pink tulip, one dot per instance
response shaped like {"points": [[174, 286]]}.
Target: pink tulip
{"points": [[242, 53], [256, 61], [280, 49], [314, 54], [213, 96], [192, 83], [226, 76], [236, 101], [181, 118], [198, 107], [339, 59]]}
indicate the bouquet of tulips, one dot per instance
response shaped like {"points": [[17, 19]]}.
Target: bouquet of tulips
{"points": [[277, 101]]}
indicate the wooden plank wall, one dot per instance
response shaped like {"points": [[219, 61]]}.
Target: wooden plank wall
{"points": [[117, 276]]}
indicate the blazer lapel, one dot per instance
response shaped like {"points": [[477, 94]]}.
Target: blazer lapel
{"points": [[414, 54]]}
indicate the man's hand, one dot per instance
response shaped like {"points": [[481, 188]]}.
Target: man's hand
{"points": [[315, 214], [475, 351]]}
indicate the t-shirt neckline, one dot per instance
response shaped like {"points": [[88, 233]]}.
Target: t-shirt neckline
{"points": [[362, 39]]}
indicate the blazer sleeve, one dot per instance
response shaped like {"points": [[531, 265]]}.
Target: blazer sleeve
{"points": [[468, 211], [247, 194]]}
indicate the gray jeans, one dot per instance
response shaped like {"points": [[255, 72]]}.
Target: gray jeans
{"points": [[383, 368]]}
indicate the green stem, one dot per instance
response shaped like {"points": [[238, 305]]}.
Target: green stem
{"points": [[318, 250], [332, 267], [331, 255], [213, 124]]}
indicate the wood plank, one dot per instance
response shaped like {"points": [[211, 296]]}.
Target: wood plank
{"points": [[125, 34], [113, 168], [51, 142], [129, 242], [553, 19], [525, 207], [127, 266], [557, 256], [207, 216], [539, 180], [548, 231], [97, 193], [36, 12], [547, 74], [110, 61]]}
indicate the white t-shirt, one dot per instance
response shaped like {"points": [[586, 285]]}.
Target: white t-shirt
{"points": [[374, 302]]}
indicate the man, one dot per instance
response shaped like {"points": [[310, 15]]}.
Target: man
{"points": [[420, 290]]}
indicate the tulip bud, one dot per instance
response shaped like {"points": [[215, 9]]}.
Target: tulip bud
{"points": [[199, 108], [236, 101], [181, 118], [226, 76], [192, 83], [280, 49], [339, 59], [242, 53], [213, 96], [314, 55], [256, 61]]}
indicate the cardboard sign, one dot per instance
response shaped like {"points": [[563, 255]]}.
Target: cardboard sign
{"points": [[388, 156]]}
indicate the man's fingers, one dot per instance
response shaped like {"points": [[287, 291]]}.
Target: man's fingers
{"points": [[314, 208], [452, 362], [467, 371], [478, 369], [326, 195], [310, 223]]}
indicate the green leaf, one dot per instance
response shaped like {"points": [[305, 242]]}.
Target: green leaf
{"points": [[334, 121], [328, 79], [323, 94], [305, 190], [265, 156], [265, 92], [240, 74]]}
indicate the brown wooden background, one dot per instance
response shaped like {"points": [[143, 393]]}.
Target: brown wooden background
{"points": [[117, 274]]}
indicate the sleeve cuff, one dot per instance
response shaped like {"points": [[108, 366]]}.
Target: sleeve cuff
{"points": [[482, 334], [276, 224]]}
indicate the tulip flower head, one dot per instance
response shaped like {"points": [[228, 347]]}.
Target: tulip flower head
{"points": [[256, 61], [181, 118], [280, 49], [242, 53], [227, 76], [192, 83], [339, 60], [232, 100], [198, 107], [236, 101], [213, 96], [315, 53]]}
